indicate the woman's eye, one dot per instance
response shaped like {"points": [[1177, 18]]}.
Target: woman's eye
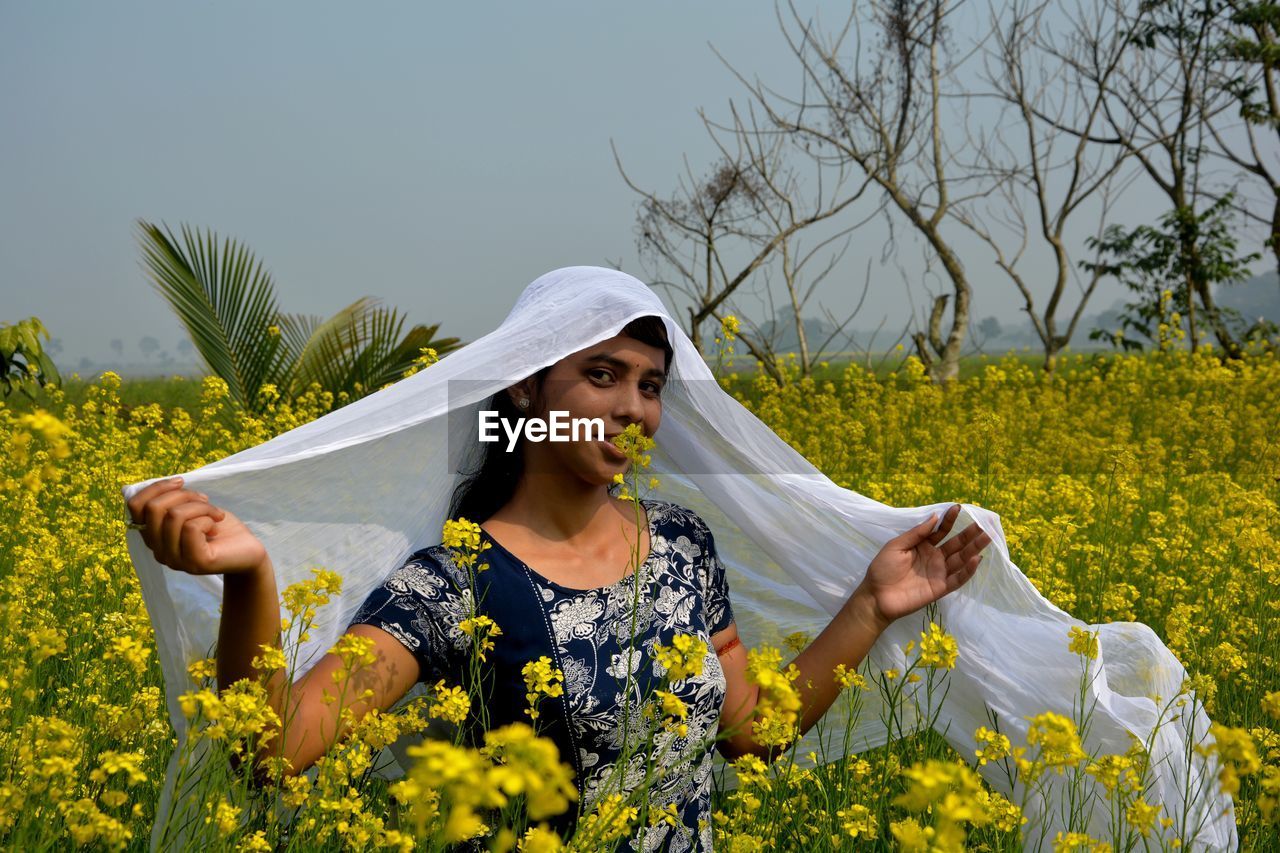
{"points": [[655, 387], [600, 373]]}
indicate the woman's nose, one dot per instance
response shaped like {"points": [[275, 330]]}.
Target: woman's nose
{"points": [[630, 403]]}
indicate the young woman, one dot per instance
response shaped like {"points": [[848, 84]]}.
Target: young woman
{"points": [[562, 583]]}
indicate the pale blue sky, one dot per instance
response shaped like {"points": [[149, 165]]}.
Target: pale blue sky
{"points": [[437, 156]]}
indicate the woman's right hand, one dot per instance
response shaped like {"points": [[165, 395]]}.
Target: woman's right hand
{"points": [[188, 533]]}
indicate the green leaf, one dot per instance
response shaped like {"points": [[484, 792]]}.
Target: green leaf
{"points": [[225, 301]]}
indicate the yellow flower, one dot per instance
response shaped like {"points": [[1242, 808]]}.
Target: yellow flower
{"points": [[796, 642], [674, 710], [992, 746], [667, 814], [1005, 816], [541, 679], [482, 630], [729, 326], [130, 650], [1057, 738], [444, 787], [201, 669], [609, 822], [910, 835], [635, 445], [302, 598], [225, 815], [356, 652], [111, 763], [937, 648], [255, 843], [1271, 704], [528, 765], [858, 822], [1083, 642], [47, 641], [847, 678], [539, 839], [271, 659], [778, 705], [1269, 798], [1142, 815], [948, 787], [1067, 842], [683, 658], [461, 533], [673, 705], [451, 703], [1108, 770], [1236, 753], [462, 537]]}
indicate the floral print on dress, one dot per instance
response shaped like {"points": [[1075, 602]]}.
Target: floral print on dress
{"points": [[603, 641]]}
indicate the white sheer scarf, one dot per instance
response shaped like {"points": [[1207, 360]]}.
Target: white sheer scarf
{"points": [[361, 488]]}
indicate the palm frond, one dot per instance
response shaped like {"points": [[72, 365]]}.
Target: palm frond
{"points": [[326, 356], [366, 351], [409, 349], [225, 301]]}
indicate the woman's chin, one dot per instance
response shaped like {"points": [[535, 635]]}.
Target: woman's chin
{"points": [[606, 473]]}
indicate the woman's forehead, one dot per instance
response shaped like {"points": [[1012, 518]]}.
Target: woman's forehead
{"points": [[621, 350]]}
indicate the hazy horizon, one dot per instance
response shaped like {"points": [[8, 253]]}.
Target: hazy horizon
{"points": [[438, 158]]}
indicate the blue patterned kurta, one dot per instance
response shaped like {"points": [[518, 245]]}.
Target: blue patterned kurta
{"points": [[586, 633]]}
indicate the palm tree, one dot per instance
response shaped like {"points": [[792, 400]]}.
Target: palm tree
{"points": [[227, 303]]}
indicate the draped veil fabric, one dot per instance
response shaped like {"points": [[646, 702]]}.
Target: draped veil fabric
{"points": [[358, 490]]}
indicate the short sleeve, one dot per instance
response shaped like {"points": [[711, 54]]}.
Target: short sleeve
{"points": [[420, 604], [715, 584]]}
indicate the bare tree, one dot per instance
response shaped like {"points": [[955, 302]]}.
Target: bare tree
{"points": [[1247, 66], [1043, 177], [1157, 102], [721, 237], [883, 115]]}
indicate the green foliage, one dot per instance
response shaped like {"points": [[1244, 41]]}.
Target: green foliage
{"points": [[1251, 41], [227, 303], [23, 360], [1183, 249]]}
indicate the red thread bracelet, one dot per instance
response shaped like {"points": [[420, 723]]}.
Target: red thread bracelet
{"points": [[734, 642]]}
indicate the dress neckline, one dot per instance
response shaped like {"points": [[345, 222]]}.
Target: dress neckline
{"points": [[630, 576]]}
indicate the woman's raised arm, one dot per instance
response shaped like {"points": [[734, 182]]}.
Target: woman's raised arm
{"points": [[908, 573], [188, 533]]}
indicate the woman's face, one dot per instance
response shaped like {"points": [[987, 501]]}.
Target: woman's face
{"points": [[619, 381]]}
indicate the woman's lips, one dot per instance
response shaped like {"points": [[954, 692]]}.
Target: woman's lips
{"points": [[612, 449]]}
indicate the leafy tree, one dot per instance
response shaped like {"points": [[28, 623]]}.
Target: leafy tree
{"points": [[1184, 250], [227, 303], [148, 345], [23, 360], [1248, 51]]}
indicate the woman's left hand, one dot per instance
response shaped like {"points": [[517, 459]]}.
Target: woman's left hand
{"points": [[912, 571]]}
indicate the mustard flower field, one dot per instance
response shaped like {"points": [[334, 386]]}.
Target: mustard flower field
{"points": [[1137, 487]]}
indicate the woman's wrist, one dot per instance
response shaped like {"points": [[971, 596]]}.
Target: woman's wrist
{"points": [[249, 580], [862, 609]]}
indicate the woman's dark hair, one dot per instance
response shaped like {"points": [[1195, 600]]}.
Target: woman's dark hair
{"points": [[485, 490]]}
